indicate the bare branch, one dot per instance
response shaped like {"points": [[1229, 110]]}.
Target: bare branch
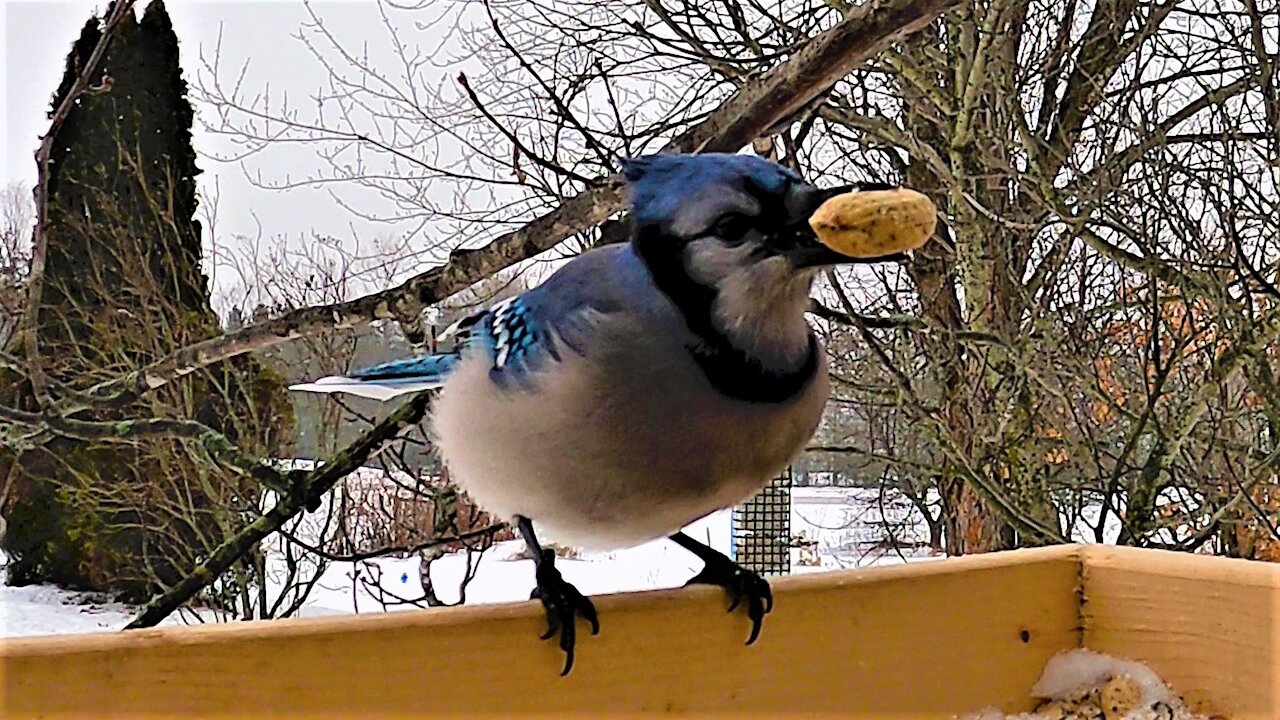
{"points": [[760, 104], [305, 493]]}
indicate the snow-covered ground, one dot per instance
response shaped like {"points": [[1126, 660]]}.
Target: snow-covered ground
{"points": [[46, 610], [848, 525], [857, 527]]}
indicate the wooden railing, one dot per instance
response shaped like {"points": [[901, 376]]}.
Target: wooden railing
{"points": [[927, 640]]}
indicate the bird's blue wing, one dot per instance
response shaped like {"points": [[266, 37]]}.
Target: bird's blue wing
{"points": [[425, 367], [517, 336], [528, 333], [511, 336], [399, 377]]}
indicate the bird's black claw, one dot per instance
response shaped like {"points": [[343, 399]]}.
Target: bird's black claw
{"points": [[564, 604], [741, 584]]}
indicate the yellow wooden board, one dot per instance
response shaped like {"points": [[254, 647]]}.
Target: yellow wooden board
{"points": [[1206, 625], [927, 640]]}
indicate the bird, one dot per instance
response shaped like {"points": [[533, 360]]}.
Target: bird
{"points": [[643, 385]]}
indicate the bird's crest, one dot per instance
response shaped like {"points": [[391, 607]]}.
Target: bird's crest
{"points": [[662, 186]]}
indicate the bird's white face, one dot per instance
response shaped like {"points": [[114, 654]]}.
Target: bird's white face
{"points": [[727, 239], [731, 234], [727, 224], [760, 298]]}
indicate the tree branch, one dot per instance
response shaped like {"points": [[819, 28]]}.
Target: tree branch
{"points": [[304, 493], [760, 104]]}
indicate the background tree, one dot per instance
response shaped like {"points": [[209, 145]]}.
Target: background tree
{"points": [[121, 286]]}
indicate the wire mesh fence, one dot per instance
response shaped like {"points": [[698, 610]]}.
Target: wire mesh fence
{"points": [[762, 529]]}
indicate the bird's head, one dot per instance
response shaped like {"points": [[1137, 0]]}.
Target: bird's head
{"points": [[727, 237], [714, 211]]}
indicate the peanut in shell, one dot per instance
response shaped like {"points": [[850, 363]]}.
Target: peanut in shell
{"points": [[871, 223]]}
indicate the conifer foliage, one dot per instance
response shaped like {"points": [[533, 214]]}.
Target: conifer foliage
{"points": [[123, 286]]}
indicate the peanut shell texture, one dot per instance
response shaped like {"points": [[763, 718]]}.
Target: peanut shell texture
{"points": [[872, 223]]}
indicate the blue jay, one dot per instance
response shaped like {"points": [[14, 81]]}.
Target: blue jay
{"points": [[644, 385]]}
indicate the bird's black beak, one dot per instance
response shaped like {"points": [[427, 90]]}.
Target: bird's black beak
{"points": [[806, 251]]}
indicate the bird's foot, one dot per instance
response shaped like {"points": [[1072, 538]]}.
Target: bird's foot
{"points": [[741, 584], [564, 604]]}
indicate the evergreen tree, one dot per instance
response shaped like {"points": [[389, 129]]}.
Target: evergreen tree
{"points": [[123, 287]]}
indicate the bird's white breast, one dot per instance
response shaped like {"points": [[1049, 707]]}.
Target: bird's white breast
{"points": [[628, 445]]}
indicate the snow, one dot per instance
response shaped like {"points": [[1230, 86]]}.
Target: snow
{"points": [[1077, 671], [50, 610], [1082, 526], [45, 610], [1081, 683], [847, 525], [502, 576], [857, 527]]}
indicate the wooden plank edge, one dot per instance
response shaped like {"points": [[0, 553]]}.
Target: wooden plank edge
{"points": [[1207, 625], [1181, 564], [436, 617]]}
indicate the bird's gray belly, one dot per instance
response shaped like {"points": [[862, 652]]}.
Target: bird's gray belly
{"points": [[617, 450]]}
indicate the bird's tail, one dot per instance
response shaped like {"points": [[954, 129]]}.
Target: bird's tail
{"points": [[385, 381]]}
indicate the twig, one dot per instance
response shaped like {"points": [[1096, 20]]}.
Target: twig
{"points": [[520, 149], [919, 412], [405, 549], [303, 494], [759, 105], [40, 250]]}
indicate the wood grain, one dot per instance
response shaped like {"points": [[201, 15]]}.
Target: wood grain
{"points": [[923, 641], [1207, 625]]}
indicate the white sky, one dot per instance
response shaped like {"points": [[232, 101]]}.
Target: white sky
{"points": [[38, 35]]}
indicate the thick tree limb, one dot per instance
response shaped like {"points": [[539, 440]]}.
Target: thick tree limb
{"points": [[25, 430], [305, 492], [757, 106]]}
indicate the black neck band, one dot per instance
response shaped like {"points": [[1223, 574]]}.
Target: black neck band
{"points": [[729, 369]]}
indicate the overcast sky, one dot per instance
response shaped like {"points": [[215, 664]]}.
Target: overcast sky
{"points": [[38, 35]]}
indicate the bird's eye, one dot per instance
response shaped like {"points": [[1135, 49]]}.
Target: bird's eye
{"points": [[731, 228]]}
